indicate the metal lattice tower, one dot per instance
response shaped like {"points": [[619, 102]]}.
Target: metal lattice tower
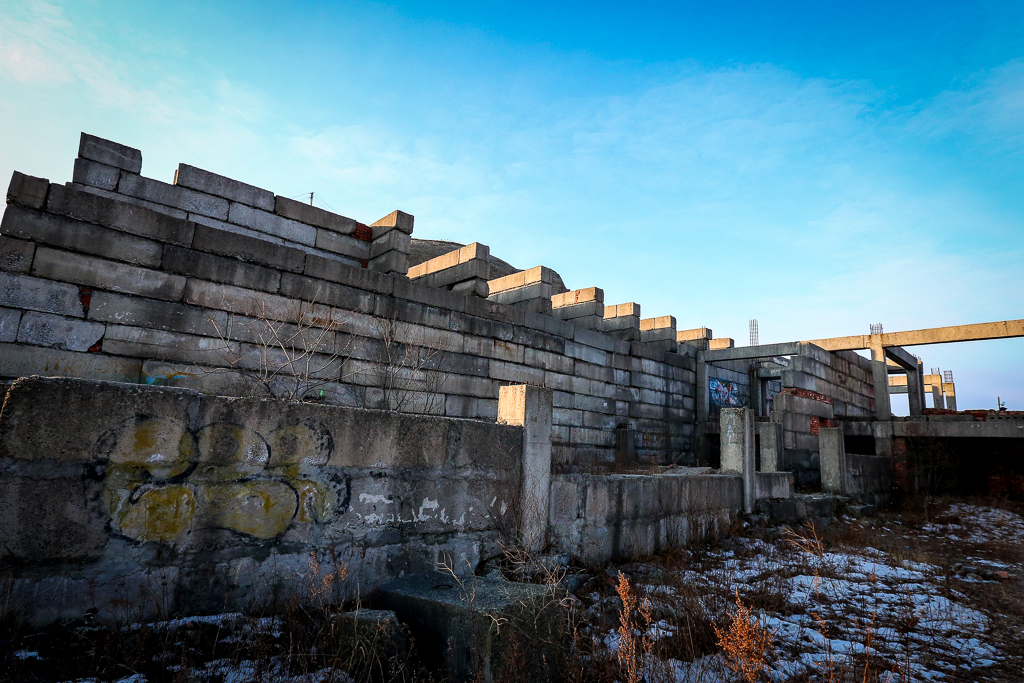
{"points": [[754, 341], [876, 328], [947, 376]]}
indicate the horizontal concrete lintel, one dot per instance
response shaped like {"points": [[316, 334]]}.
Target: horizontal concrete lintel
{"points": [[745, 352]]}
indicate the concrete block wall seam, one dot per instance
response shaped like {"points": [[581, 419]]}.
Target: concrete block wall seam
{"points": [[110, 153], [67, 233], [312, 215], [118, 215], [173, 196], [222, 186]]}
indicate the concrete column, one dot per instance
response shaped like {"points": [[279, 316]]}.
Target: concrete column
{"points": [[832, 453], [530, 407], [770, 436], [738, 450], [880, 374], [915, 390]]}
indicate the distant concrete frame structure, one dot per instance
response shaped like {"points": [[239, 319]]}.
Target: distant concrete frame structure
{"points": [[885, 346]]}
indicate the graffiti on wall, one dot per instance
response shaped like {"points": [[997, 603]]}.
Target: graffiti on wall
{"points": [[723, 393]]}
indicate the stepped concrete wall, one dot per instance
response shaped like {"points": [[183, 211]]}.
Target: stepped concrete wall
{"points": [[207, 284]]}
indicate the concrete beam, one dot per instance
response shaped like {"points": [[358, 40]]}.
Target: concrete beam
{"points": [[748, 352], [1005, 329]]}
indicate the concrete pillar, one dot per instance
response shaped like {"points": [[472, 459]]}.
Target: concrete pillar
{"points": [[832, 453], [738, 450], [880, 375], [530, 407], [770, 436], [915, 390], [949, 391]]}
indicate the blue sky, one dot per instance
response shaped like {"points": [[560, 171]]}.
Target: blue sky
{"points": [[818, 166]]}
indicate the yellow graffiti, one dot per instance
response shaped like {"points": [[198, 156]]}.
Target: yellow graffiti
{"points": [[296, 444], [263, 509], [160, 514], [223, 443], [160, 446]]}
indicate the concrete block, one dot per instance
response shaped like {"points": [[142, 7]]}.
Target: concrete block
{"points": [[392, 262], [531, 408], [96, 175], [248, 249], [696, 334], [343, 244], [272, 224], [471, 407], [86, 238], [396, 220], [555, 362], [621, 322], [513, 372], [394, 240], [578, 296], [239, 300], [630, 309], [90, 271], [523, 278], [588, 309], [161, 315], [774, 485], [475, 252], [27, 190], [315, 291], [586, 353], [477, 288], [16, 255], [536, 290], [127, 199], [737, 434], [9, 320], [191, 263], [35, 294], [593, 338], [58, 332], [120, 215], [587, 322], [361, 278], [173, 196], [452, 623], [307, 213], [170, 346], [17, 360], [721, 343], [833, 460], [664, 321], [221, 186], [110, 153]]}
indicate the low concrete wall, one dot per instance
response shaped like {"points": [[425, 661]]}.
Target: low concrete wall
{"points": [[142, 501], [600, 517]]}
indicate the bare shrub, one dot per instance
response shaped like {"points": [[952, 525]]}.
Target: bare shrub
{"points": [[746, 643]]}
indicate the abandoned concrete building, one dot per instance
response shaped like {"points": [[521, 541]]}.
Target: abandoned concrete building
{"points": [[208, 382]]}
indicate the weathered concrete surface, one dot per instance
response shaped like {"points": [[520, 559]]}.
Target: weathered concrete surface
{"points": [[480, 629], [530, 407], [599, 517], [217, 503], [738, 450]]}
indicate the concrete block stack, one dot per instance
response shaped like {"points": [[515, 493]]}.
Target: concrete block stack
{"points": [[463, 271], [392, 237], [622, 321], [582, 307], [698, 338], [102, 284], [112, 170], [530, 290], [659, 332]]}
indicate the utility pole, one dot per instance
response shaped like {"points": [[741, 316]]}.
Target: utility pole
{"points": [[311, 199]]}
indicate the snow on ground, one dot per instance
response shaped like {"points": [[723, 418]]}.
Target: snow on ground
{"points": [[842, 607]]}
